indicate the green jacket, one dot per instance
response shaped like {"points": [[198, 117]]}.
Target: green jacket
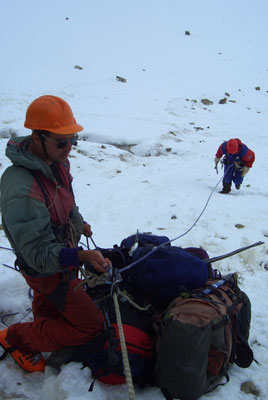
{"points": [[36, 210]]}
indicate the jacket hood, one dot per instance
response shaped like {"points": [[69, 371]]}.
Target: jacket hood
{"points": [[17, 152]]}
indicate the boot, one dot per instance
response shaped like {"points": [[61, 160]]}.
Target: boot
{"points": [[237, 186], [226, 188], [28, 361], [60, 357]]}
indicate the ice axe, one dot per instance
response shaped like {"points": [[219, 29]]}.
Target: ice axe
{"points": [[211, 260]]}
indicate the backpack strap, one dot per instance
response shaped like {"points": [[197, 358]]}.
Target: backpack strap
{"points": [[214, 386], [35, 175], [223, 322], [41, 186]]}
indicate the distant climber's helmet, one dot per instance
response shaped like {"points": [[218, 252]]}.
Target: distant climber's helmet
{"points": [[53, 114], [232, 146]]}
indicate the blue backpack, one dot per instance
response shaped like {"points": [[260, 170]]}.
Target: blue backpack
{"points": [[164, 270]]}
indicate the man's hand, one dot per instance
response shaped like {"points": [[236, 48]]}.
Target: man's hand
{"points": [[95, 258], [87, 230], [216, 160], [244, 170]]}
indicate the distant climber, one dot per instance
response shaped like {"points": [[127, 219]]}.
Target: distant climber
{"points": [[238, 160]]}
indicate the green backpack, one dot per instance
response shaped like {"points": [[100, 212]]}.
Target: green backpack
{"points": [[202, 332]]}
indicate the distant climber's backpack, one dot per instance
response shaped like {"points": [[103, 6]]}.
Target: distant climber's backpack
{"points": [[103, 355], [201, 334]]}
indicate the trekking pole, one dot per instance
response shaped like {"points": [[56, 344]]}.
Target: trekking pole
{"points": [[116, 279], [214, 259], [235, 169]]}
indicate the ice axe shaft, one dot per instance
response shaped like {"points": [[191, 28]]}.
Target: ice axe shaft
{"points": [[214, 259]]}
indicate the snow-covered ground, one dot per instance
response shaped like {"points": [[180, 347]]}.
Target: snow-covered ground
{"points": [[146, 156]]}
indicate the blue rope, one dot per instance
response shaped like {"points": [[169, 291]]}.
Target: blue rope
{"points": [[9, 266], [6, 248]]}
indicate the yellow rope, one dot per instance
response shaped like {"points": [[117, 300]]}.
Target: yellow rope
{"points": [[129, 382], [137, 306]]}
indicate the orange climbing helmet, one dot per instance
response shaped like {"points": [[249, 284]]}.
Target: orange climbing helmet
{"points": [[232, 146], [53, 114]]}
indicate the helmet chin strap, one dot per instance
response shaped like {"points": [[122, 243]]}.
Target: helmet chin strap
{"points": [[42, 139]]}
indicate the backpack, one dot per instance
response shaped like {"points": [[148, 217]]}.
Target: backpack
{"points": [[202, 332], [103, 354], [156, 280], [160, 276]]}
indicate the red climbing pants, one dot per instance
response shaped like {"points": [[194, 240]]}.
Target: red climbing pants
{"points": [[53, 328]]}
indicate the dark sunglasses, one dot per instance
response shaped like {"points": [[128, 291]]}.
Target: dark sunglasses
{"points": [[60, 144]]}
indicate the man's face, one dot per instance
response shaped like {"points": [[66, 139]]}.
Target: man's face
{"points": [[59, 146]]}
